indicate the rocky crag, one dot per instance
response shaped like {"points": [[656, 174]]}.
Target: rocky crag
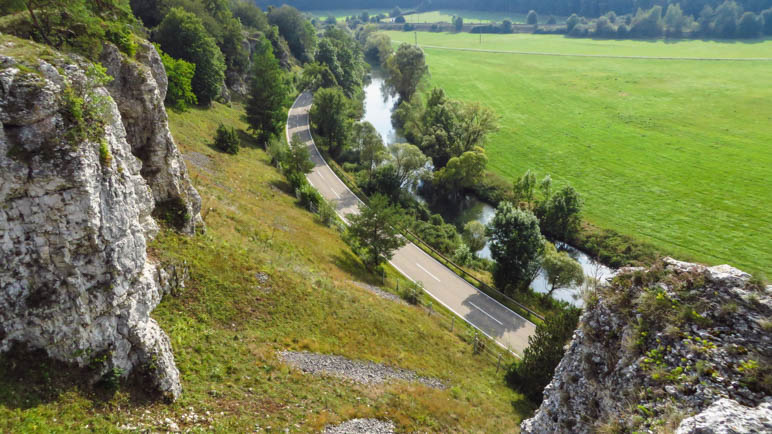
{"points": [[86, 161], [678, 347]]}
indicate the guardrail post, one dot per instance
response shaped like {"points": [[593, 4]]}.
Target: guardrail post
{"points": [[452, 323], [498, 364]]}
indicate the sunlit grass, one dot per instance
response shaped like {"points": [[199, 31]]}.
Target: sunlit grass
{"points": [[676, 153], [226, 326]]}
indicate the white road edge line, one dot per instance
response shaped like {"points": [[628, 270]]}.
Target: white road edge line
{"points": [[427, 272], [405, 274], [473, 287], [489, 315], [510, 350]]}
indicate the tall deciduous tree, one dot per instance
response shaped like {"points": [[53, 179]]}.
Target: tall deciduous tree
{"points": [[561, 214], [406, 68], [268, 94], [516, 247], [524, 187], [561, 269], [329, 114], [374, 230], [183, 36], [367, 142], [409, 163]]}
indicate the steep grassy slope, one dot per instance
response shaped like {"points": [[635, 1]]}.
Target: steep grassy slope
{"points": [[266, 277], [676, 153]]}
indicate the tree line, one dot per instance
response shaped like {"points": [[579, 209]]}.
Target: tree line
{"points": [[562, 8], [727, 20]]}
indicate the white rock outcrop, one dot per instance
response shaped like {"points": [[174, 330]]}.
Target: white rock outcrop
{"points": [[76, 210], [139, 89], [728, 417], [658, 345]]}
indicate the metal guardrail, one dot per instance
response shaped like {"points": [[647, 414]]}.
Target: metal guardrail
{"points": [[423, 245]]}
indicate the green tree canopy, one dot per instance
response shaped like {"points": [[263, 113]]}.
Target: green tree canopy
{"points": [[367, 142], [561, 269], [543, 354], [561, 214], [268, 94], [462, 172], [298, 159], [516, 247], [474, 235], [409, 163], [524, 187], [532, 18], [182, 35], [378, 47], [374, 230], [406, 68], [299, 33], [446, 128], [329, 115], [179, 91]]}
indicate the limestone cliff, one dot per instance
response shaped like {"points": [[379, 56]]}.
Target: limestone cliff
{"points": [[657, 346], [85, 161]]}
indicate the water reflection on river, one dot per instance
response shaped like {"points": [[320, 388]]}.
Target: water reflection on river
{"points": [[379, 104]]}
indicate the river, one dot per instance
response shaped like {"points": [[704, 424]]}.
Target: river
{"points": [[379, 104]]}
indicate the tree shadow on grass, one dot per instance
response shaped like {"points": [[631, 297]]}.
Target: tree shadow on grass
{"points": [[524, 406], [348, 262], [283, 186], [248, 140], [29, 378]]}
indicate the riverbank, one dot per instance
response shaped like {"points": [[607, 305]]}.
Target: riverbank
{"points": [[379, 106]]}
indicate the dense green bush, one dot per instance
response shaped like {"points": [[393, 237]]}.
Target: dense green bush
{"points": [[182, 35], [412, 293], [226, 140], [179, 91], [545, 350]]}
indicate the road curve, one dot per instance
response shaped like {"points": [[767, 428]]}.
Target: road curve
{"points": [[493, 319]]}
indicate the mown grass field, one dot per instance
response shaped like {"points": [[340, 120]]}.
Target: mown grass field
{"points": [[227, 325], [674, 152]]}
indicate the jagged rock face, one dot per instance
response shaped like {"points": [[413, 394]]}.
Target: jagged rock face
{"points": [[658, 345], [75, 213], [139, 89], [728, 417]]}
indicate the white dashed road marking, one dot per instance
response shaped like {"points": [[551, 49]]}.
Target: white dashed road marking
{"points": [[489, 315]]}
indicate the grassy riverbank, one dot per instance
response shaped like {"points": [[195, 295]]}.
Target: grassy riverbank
{"points": [[674, 153], [266, 277]]}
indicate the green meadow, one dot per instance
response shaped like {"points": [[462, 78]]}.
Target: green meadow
{"points": [[677, 153]]}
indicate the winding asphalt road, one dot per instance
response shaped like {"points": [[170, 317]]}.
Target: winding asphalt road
{"points": [[493, 319]]}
